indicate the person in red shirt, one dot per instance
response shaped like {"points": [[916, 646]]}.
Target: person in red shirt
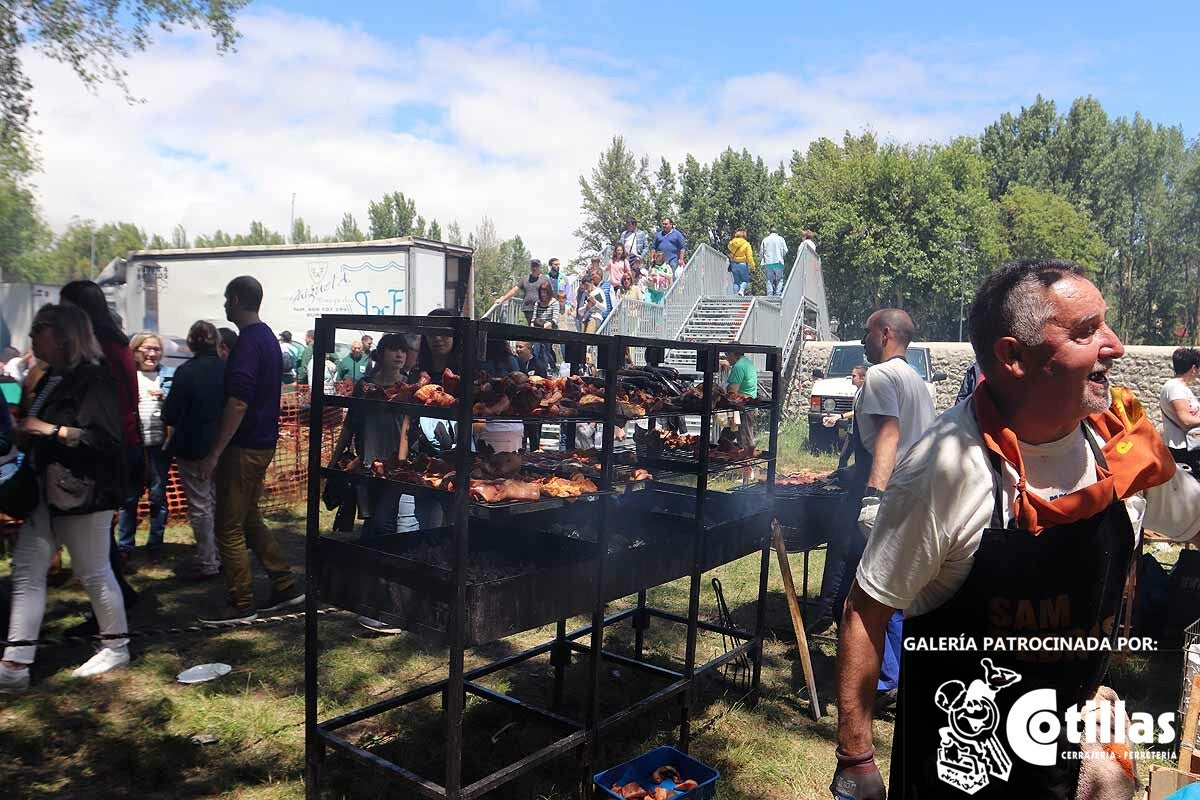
{"points": [[89, 297]]}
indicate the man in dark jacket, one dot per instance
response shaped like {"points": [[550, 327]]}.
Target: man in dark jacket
{"points": [[192, 412]]}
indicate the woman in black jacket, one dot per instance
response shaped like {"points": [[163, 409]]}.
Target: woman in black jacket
{"points": [[192, 414], [72, 440]]}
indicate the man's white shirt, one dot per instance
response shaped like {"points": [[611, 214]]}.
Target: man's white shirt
{"points": [[941, 497]]}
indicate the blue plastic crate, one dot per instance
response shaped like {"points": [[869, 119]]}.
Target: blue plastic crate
{"points": [[641, 768]]}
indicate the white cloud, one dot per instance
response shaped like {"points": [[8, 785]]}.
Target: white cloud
{"points": [[467, 128]]}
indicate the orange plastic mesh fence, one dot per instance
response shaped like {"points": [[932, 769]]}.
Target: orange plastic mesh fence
{"points": [[286, 482]]}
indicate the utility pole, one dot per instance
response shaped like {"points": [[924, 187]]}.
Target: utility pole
{"points": [[962, 285], [292, 220]]}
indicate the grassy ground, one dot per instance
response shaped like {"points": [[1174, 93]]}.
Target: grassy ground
{"points": [[133, 732]]}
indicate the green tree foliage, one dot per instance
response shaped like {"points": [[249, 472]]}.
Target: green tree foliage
{"points": [[259, 234], [301, 232], [93, 37], [347, 230], [492, 268], [619, 188], [392, 216], [1039, 224], [895, 226], [922, 226], [454, 233], [71, 254], [435, 231]]}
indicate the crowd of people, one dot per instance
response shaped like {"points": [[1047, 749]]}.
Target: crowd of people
{"points": [[945, 511], [640, 268], [101, 418]]}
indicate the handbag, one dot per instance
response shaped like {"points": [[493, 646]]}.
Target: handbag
{"points": [[66, 491], [19, 494]]}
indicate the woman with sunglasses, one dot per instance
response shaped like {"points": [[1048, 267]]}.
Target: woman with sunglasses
{"points": [[71, 438]]}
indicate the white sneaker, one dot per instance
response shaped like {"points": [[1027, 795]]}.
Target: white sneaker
{"points": [[378, 626], [13, 681], [109, 658]]}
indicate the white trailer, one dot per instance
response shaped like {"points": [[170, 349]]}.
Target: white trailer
{"points": [[18, 303], [167, 290]]}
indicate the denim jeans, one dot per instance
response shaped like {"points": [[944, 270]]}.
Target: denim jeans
{"points": [[85, 537], [889, 669], [774, 279], [406, 514], [147, 466], [385, 513], [741, 277]]}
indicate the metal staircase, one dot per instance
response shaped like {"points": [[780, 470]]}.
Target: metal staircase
{"points": [[713, 319]]}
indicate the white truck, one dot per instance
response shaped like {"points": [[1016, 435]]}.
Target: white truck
{"points": [[832, 392], [167, 290]]}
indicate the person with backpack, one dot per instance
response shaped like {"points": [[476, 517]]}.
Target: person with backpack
{"points": [[292, 353]]}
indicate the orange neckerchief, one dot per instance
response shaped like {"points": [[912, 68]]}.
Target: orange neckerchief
{"points": [[1136, 455]]}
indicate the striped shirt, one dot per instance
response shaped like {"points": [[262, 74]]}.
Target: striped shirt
{"points": [[149, 407]]}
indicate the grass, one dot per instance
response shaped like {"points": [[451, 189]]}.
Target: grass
{"points": [[131, 733]]}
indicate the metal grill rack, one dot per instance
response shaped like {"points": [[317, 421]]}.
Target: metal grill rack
{"points": [[483, 576]]}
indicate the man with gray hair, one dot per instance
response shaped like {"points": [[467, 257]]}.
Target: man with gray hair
{"points": [[1011, 525]]}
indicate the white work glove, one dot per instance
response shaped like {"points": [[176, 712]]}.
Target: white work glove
{"points": [[867, 514], [829, 420]]}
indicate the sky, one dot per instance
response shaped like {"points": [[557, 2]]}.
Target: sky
{"points": [[496, 108]]}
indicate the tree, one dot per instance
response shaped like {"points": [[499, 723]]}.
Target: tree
{"points": [[619, 189], [1040, 224], [392, 216], [301, 232], [663, 194], [218, 239], [435, 231], [1017, 148], [492, 269], [93, 37], [179, 238], [454, 233], [72, 251], [347, 230], [259, 234], [695, 202], [22, 234]]}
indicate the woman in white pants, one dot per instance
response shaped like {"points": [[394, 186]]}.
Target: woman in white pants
{"points": [[72, 441]]}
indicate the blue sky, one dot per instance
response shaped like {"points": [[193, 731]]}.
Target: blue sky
{"points": [[495, 109], [1133, 57]]}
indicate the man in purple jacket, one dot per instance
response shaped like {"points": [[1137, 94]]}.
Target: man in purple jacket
{"points": [[238, 462]]}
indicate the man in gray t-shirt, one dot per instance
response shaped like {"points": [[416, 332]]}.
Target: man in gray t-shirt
{"points": [[528, 288]]}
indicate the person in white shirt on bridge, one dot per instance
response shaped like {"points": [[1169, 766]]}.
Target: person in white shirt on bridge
{"points": [[774, 253]]}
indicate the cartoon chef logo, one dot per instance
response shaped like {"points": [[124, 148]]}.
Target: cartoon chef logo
{"points": [[969, 753]]}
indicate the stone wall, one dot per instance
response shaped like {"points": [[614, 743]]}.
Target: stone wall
{"points": [[1144, 369]]}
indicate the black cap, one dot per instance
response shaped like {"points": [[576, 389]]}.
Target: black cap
{"points": [[535, 262]]}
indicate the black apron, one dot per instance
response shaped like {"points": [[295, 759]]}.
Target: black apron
{"points": [[1067, 581]]}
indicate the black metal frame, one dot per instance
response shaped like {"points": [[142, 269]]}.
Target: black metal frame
{"points": [[585, 735]]}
